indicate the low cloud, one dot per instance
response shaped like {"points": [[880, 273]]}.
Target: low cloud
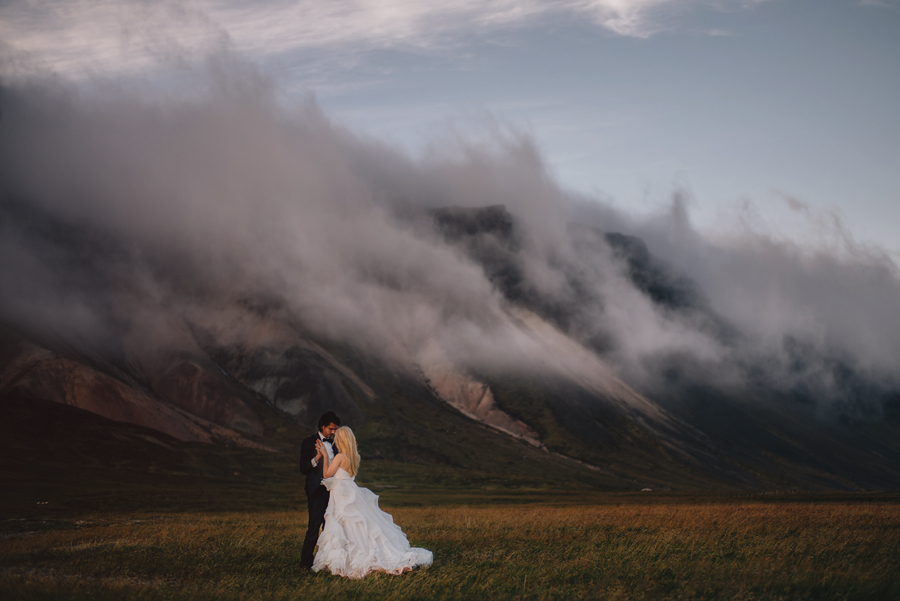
{"points": [[133, 217]]}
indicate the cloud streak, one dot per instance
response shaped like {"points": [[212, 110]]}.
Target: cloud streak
{"points": [[78, 38]]}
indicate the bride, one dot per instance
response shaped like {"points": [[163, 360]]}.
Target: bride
{"points": [[358, 537]]}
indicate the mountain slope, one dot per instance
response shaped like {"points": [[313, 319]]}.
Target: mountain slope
{"points": [[557, 413]]}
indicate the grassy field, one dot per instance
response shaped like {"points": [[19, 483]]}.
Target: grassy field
{"points": [[616, 547], [92, 509]]}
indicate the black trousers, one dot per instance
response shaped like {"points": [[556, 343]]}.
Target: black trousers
{"points": [[316, 504]]}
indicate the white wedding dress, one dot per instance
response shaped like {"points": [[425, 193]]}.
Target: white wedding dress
{"points": [[359, 538]]}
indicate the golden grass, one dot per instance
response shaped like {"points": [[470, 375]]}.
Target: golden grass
{"points": [[677, 550]]}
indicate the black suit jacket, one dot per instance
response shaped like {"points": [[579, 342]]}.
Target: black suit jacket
{"points": [[313, 474]]}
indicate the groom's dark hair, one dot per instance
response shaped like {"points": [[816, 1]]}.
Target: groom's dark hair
{"points": [[328, 418]]}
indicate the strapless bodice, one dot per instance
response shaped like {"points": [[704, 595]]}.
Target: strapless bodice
{"points": [[342, 474]]}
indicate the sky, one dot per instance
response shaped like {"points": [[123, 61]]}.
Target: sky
{"points": [[781, 112]]}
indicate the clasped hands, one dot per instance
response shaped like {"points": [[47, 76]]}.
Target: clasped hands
{"points": [[320, 451]]}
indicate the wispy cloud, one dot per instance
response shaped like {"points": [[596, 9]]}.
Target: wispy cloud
{"points": [[110, 36]]}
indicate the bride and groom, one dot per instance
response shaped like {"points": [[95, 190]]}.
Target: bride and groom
{"points": [[357, 537]]}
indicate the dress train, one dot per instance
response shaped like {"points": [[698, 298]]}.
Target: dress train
{"points": [[359, 537]]}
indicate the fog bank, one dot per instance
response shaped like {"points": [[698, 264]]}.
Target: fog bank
{"points": [[128, 216]]}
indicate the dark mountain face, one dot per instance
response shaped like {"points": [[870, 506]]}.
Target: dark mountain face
{"points": [[457, 223], [487, 236], [654, 278]]}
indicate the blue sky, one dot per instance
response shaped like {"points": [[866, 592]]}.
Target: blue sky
{"points": [[779, 103]]}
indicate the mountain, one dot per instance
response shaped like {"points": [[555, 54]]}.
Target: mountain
{"points": [[760, 433], [562, 416]]}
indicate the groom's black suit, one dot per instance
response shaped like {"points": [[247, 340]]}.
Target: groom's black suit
{"points": [[316, 498]]}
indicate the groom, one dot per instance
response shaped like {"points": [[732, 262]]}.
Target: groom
{"points": [[316, 494]]}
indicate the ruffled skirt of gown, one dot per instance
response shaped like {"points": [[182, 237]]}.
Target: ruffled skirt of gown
{"points": [[359, 538]]}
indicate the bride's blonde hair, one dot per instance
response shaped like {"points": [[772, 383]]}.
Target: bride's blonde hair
{"points": [[346, 444]]}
